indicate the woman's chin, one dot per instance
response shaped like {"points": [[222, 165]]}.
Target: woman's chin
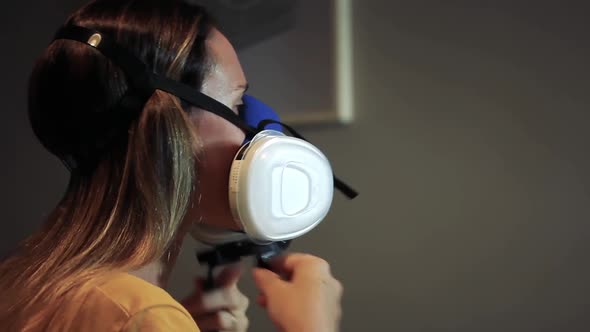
{"points": [[214, 235]]}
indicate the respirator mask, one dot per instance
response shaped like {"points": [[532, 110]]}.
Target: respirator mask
{"points": [[280, 187]]}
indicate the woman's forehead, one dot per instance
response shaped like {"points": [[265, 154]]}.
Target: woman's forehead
{"points": [[225, 63]]}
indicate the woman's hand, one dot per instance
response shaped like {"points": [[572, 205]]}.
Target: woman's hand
{"points": [[222, 308], [306, 299]]}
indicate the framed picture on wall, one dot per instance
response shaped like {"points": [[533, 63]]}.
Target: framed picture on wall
{"points": [[297, 55]]}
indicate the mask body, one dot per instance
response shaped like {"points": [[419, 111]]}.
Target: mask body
{"points": [[280, 187]]}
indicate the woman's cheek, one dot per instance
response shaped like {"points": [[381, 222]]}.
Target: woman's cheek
{"points": [[220, 142]]}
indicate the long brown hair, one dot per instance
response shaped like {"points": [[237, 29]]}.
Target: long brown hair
{"points": [[126, 211]]}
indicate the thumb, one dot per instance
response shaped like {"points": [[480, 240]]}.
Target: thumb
{"points": [[266, 279], [229, 276]]}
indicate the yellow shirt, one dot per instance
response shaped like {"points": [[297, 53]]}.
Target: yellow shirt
{"points": [[124, 303]]}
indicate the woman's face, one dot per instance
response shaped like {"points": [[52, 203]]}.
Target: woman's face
{"points": [[220, 140]]}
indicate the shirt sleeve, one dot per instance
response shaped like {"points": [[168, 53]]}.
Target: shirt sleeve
{"points": [[159, 319]]}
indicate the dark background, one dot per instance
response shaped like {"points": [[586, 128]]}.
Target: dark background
{"points": [[470, 149]]}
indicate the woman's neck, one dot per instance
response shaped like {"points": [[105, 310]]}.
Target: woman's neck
{"points": [[158, 271], [153, 273]]}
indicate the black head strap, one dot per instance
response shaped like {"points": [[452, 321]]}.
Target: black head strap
{"points": [[142, 80]]}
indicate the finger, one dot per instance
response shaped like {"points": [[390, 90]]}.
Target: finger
{"points": [[223, 298], [266, 280], [295, 265], [229, 276], [244, 302], [242, 322], [261, 300], [221, 320], [217, 299]]}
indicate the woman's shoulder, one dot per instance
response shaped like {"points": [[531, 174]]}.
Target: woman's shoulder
{"points": [[126, 302], [133, 294]]}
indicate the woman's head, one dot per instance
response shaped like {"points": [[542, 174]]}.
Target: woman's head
{"points": [[134, 178], [76, 111], [137, 179], [76, 92]]}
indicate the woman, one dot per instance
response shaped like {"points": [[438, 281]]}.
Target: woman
{"points": [[139, 181]]}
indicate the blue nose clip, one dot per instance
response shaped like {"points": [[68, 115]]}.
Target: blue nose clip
{"points": [[253, 111]]}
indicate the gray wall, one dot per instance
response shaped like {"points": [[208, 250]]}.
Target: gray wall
{"points": [[469, 150]]}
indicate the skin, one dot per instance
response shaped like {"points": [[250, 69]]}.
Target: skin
{"points": [[225, 307], [219, 139]]}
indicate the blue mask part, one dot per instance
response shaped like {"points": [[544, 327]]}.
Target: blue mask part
{"points": [[253, 111]]}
